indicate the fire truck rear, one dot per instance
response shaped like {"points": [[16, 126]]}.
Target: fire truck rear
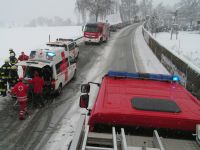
{"points": [[144, 106], [96, 32]]}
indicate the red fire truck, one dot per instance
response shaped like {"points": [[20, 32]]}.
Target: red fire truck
{"points": [[96, 32], [142, 105]]}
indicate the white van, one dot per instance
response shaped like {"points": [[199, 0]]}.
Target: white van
{"points": [[54, 64], [67, 45]]}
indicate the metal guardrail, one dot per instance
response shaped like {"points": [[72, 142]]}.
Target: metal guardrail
{"points": [[176, 65]]}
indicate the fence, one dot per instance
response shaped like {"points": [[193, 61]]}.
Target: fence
{"points": [[189, 74]]}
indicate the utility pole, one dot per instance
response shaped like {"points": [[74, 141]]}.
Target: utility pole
{"points": [[174, 27]]}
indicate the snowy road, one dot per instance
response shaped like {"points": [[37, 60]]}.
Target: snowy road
{"points": [[37, 131]]}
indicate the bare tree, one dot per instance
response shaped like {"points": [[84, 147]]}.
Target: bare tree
{"points": [[82, 9], [188, 10], [128, 9], [146, 8], [96, 8]]}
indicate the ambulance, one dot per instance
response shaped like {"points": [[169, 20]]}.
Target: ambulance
{"points": [[54, 64], [67, 45]]}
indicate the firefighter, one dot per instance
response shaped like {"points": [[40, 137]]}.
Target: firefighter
{"points": [[5, 73], [23, 57], [13, 59], [12, 51], [1, 81], [13, 76], [38, 84], [20, 90]]}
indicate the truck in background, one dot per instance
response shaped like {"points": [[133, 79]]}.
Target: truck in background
{"points": [[96, 32], [142, 106]]}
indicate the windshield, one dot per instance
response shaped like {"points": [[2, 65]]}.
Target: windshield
{"points": [[91, 28]]}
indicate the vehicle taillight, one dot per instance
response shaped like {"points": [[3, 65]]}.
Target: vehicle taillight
{"points": [[53, 83]]}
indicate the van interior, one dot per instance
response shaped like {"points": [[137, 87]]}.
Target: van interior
{"points": [[46, 72]]}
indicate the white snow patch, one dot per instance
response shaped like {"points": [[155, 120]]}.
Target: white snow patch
{"points": [[186, 45], [27, 39]]}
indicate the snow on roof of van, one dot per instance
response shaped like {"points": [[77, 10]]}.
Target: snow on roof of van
{"points": [[60, 42]]}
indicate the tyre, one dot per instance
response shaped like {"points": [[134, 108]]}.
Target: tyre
{"points": [[74, 76], [77, 56], [100, 41], [59, 90]]}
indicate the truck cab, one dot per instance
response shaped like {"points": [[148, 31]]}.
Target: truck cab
{"points": [[140, 105], [96, 32]]}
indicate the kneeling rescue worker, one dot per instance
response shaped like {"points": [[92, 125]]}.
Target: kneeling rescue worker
{"points": [[20, 90]]}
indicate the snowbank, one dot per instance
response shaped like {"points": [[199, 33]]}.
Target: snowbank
{"points": [[186, 45]]}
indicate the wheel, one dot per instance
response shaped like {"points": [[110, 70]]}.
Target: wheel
{"points": [[59, 90], [74, 76], [100, 41], [106, 40], [77, 56]]}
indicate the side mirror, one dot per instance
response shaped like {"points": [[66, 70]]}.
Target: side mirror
{"points": [[84, 100], [85, 88]]}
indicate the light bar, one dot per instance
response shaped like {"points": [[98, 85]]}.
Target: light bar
{"points": [[150, 76]]}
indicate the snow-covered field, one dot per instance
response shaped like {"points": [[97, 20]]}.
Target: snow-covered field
{"points": [[187, 45], [27, 39]]}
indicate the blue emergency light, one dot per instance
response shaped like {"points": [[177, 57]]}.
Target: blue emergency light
{"points": [[150, 76], [176, 78], [51, 54]]}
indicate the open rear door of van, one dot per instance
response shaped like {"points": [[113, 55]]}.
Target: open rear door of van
{"points": [[36, 64]]}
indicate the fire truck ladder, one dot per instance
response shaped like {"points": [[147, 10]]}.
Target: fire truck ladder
{"points": [[99, 141], [156, 141]]}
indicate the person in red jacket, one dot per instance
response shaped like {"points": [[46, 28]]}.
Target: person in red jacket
{"points": [[38, 84], [23, 57], [20, 90]]}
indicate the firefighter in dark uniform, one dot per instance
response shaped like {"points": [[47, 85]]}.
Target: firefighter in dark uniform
{"points": [[13, 59], [13, 76], [5, 70], [1, 81], [12, 51]]}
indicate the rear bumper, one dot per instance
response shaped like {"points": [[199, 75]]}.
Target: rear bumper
{"points": [[91, 40]]}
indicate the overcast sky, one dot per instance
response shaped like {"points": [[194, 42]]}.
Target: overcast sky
{"points": [[166, 2], [23, 10], [26, 10]]}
